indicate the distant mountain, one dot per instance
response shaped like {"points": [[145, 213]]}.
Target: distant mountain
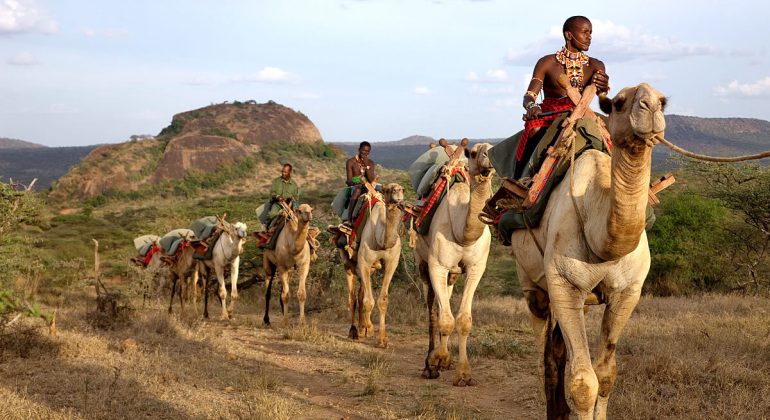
{"points": [[716, 136], [46, 164], [6, 143], [399, 154]]}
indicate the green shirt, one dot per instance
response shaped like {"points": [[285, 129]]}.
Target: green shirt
{"points": [[288, 189]]}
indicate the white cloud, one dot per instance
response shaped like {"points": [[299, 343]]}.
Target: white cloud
{"points": [[612, 41], [267, 75], [23, 59], [422, 90], [491, 76], [759, 88], [20, 16]]}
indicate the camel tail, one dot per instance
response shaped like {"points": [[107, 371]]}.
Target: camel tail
{"points": [[555, 360]]}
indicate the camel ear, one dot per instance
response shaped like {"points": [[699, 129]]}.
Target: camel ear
{"points": [[606, 107]]}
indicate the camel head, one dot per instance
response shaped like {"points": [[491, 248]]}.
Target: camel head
{"points": [[478, 161], [240, 229], [304, 212], [636, 116], [393, 193]]}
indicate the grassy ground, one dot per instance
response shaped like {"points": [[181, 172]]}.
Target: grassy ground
{"points": [[704, 357]]}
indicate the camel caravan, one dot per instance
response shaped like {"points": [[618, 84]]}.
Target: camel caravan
{"points": [[576, 228]]}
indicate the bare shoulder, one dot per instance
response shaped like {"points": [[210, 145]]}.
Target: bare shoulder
{"points": [[547, 60], [596, 63]]}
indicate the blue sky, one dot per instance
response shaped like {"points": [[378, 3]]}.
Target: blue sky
{"points": [[79, 72]]}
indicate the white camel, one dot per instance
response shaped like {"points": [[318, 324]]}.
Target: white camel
{"points": [[457, 242], [379, 247], [226, 254], [594, 247]]}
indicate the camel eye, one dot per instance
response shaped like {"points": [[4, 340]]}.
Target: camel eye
{"points": [[618, 104]]}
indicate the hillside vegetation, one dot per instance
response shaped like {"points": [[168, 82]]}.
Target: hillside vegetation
{"points": [[224, 146]]}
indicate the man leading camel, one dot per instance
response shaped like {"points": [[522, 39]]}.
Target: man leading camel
{"points": [[283, 188], [359, 170]]}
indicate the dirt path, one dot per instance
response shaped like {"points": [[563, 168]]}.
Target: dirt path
{"points": [[330, 376]]}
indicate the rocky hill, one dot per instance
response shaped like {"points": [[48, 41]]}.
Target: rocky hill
{"points": [[199, 147]]}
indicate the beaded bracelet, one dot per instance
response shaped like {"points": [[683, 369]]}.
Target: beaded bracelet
{"points": [[539, 80], [531, 105]]}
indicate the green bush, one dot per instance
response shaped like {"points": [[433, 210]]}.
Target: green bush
{"points": [[688, 245]]}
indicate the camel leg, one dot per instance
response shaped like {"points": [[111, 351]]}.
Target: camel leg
{"points": [[430, 301], [365, 273], [382, 303], [441, 359], [222, 290], [206, 293], [284, 274], [465, 322], [269, 277], [580, 382], [195, 277], [301, 292], [173, 289], [233, 285], [360, 300], [616, 314], [352, 302]]}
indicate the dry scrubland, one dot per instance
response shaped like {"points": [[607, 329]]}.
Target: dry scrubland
{"points": [[706, 357], [698, 357]]}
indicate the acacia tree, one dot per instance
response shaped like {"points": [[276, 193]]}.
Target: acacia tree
{"points": [[744, 189]]}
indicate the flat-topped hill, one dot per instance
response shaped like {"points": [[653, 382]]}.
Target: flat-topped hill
{"points": [[215, 146]]}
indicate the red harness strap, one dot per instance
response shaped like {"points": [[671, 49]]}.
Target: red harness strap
{"points": [[182, 246], [548, 105], [436, 193], [361, 216], [148, 257]]}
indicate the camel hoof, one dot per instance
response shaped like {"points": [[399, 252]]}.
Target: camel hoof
{"points": [[429, 373], [465, 382], [382, 344], [353, 333]]}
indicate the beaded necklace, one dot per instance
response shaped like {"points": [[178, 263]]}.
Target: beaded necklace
{"points": [[573, 63]]}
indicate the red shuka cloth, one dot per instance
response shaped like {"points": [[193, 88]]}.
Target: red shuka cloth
{"points": [[548, 105]]}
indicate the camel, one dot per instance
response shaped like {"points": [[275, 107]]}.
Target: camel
{"points": [[226, 255], [292, 252], [182, 267], [457, 242], [379, 247], [594, 248]]}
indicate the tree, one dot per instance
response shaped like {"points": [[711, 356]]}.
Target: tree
{"points": [[744, 189]]}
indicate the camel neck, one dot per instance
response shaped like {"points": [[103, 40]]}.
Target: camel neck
{"points": [[625, 210], [480, 192]]}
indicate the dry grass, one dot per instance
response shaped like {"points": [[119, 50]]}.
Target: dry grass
{"points": [[707, 357], [703, 357]]}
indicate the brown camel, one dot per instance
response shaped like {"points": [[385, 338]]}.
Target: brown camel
{"points": [[593, 247], [457, 242], [292, 252], [379, 247]]}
